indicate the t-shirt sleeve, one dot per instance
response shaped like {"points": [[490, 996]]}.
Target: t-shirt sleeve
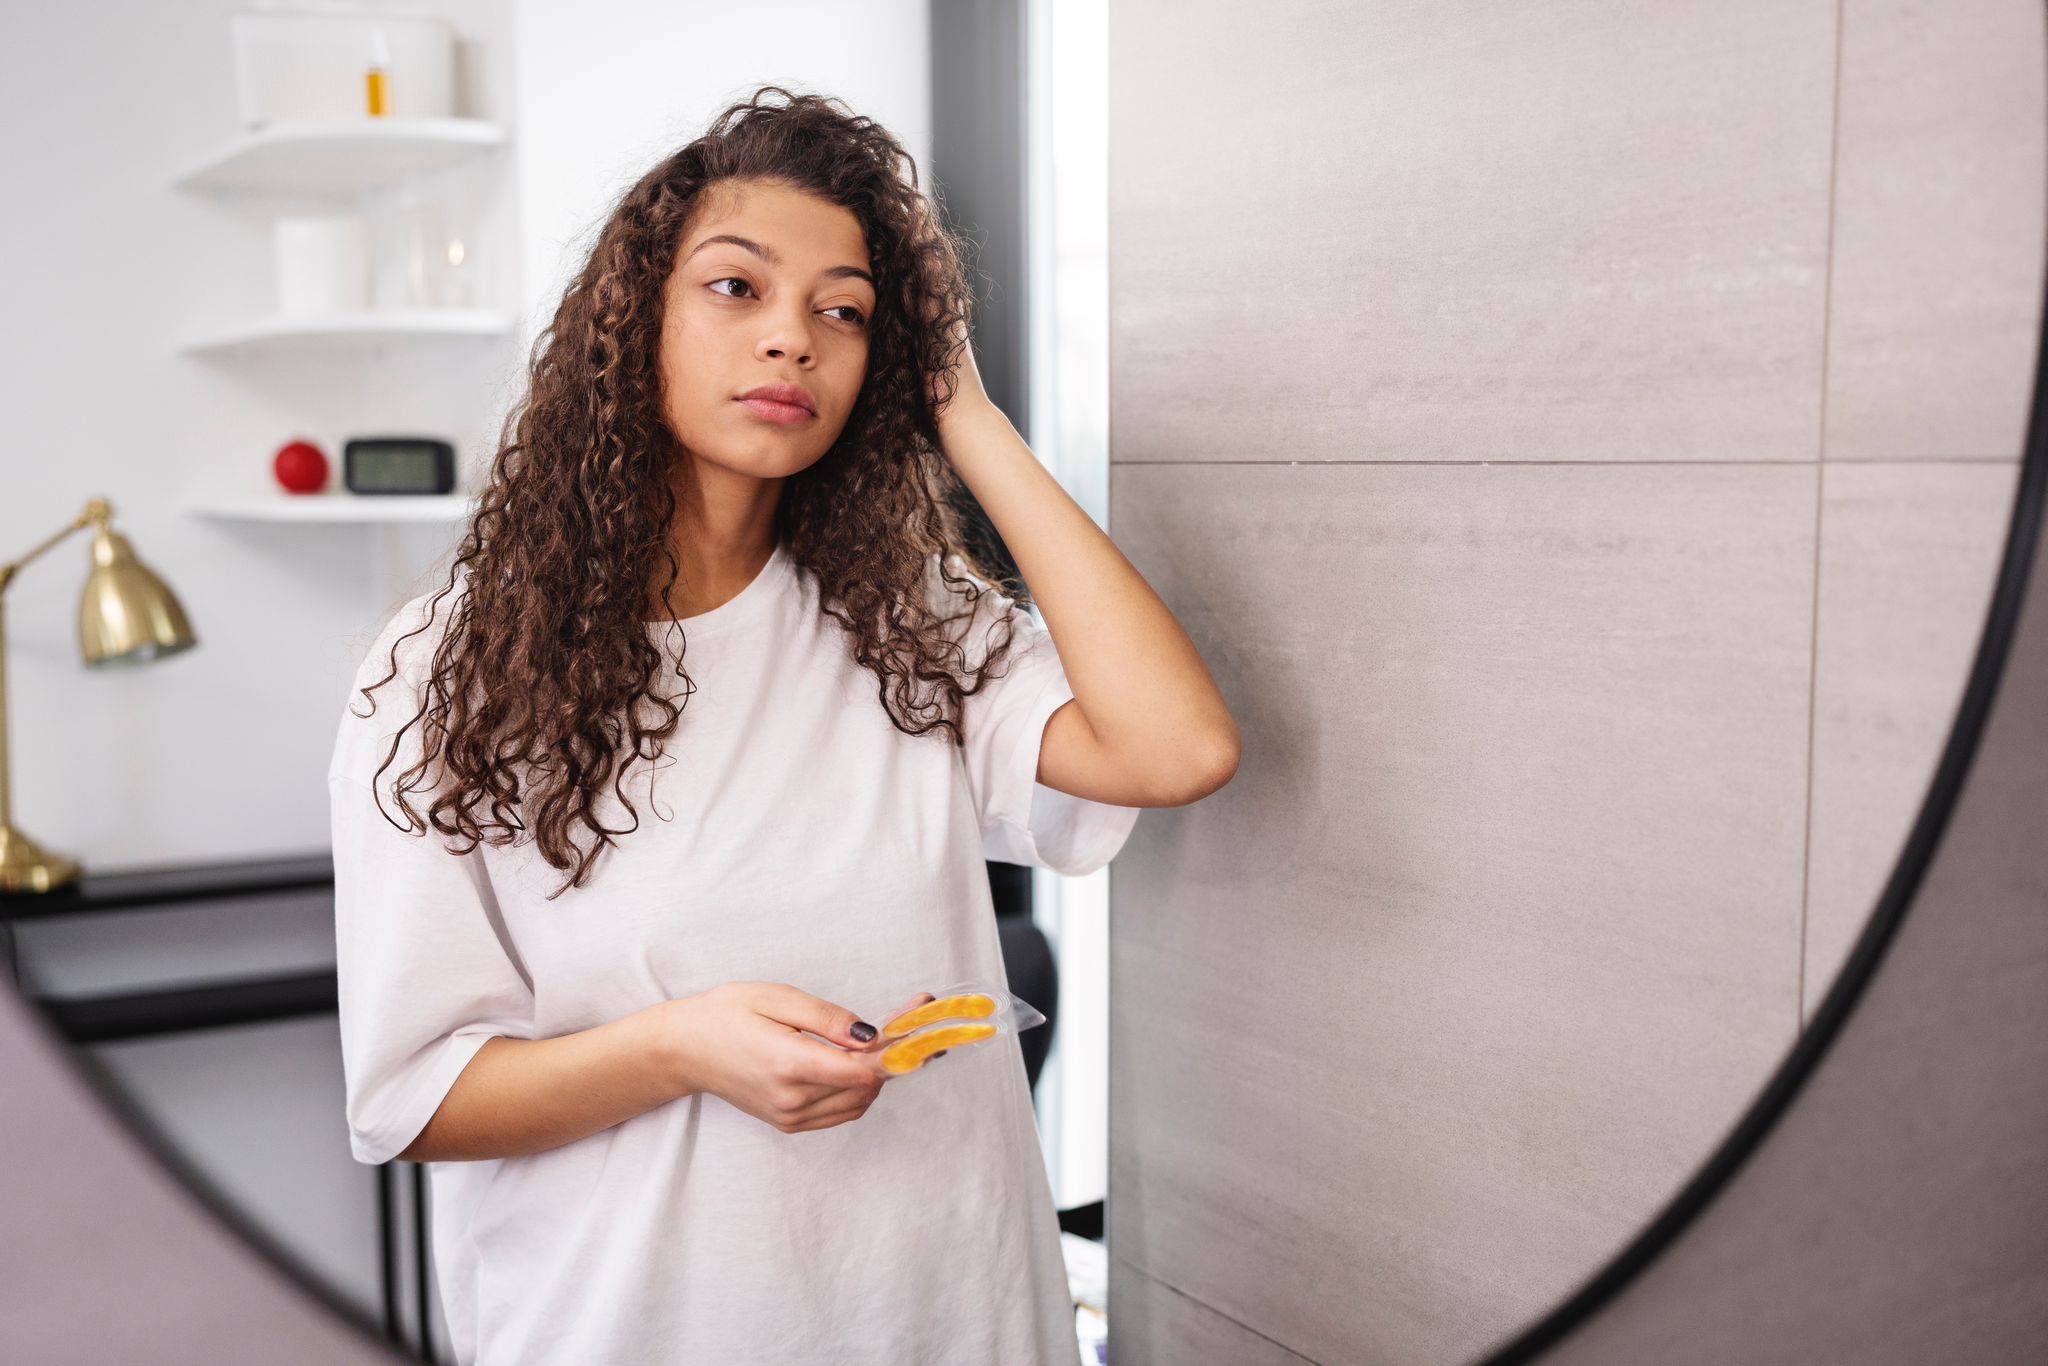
{"points": [[1022, 820], [425, 970]]}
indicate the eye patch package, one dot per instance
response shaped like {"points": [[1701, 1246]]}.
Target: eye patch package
{"points": [[962, 1014]]}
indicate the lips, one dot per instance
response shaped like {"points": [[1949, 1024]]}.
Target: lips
{"points": [[787, 394], [772, 411]]}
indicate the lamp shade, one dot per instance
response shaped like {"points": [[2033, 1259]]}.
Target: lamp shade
{"points": [[127, 615]]}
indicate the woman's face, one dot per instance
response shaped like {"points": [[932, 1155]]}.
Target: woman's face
{"points": [[771, 287]]}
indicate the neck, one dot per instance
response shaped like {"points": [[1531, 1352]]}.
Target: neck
{"points": [[722, 536]]}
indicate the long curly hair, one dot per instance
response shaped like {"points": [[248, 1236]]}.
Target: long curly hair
{"points": [[541, 683]]}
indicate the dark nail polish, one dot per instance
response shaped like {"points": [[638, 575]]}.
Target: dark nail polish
{"points": [[862, 1030]]}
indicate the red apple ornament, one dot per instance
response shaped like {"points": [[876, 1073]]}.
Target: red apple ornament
{"points": [[301, 467]]}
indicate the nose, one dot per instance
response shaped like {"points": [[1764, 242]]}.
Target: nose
{"points": [[789, 335]]}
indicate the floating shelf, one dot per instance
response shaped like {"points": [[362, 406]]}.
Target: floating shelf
{"points": [[333, 506], [347, 329], [339, 158]]}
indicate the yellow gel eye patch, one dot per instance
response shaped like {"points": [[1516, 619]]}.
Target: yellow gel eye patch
{"points": [[907, 1055], [971, 1006]]}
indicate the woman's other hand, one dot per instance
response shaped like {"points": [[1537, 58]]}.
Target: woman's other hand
{"points": [[746, 1042]]}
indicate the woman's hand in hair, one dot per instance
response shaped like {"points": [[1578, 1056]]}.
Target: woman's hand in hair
{"points": [[968, 393], [750, 1044]]}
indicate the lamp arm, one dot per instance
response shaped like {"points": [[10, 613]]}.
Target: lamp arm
{"points": [[96, 510]]}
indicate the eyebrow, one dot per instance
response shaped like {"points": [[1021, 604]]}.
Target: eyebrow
{"points": [[769, 255]]}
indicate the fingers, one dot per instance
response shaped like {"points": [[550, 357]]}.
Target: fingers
{"points": [[878, 1042], [798, 1009], [812, 1068], [925, 224], [829, 1120], [818, 1104], [817, 1068], [824, 1071], [822, 1086]]}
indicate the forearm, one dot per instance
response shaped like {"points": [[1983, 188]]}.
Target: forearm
{"points": [[521, 1096], [1136, 675]]}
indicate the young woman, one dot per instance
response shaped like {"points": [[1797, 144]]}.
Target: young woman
{"points": [[639, 1054]]}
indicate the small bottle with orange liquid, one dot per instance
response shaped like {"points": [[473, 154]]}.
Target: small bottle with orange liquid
{"points": [[378, 79]]}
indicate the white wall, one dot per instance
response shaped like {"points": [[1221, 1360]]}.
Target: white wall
{"points": [[605, 91], [218, 752]]}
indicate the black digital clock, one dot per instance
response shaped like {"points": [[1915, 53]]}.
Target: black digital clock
{"points": [[398, 464]]}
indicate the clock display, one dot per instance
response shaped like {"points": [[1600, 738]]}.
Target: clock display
{"points": [[399, 465]]}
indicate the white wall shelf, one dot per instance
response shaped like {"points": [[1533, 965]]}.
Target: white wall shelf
{"points": [[340, 330], [335, 505], [340, 158]]}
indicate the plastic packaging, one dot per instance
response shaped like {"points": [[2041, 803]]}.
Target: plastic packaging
{"points": [[960, 1015]]}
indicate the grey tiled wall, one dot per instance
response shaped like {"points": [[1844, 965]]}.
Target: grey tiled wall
{"points": [[1579, 438]]}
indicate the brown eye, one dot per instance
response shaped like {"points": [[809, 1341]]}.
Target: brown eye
{"points": [[858, 317], [730, 279]]}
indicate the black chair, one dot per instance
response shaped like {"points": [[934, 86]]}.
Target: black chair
{"points": [[1027, 958]]}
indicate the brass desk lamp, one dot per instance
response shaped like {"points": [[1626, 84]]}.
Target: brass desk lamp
{"points": [[126, 615]]}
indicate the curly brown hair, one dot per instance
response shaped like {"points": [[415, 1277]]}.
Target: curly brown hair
{"points": [[544, 666]]}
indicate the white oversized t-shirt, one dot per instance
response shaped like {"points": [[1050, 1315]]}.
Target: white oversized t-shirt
{"points": [[794, 835]]}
